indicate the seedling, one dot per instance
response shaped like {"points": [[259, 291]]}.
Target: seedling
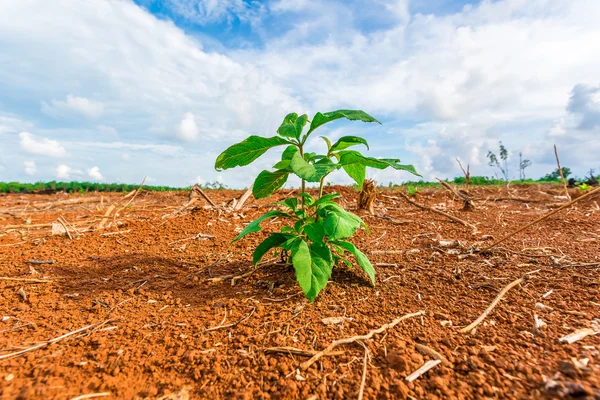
{"points": [[319, 227]]}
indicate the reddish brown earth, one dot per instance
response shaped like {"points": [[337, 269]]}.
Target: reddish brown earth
{"points": [[149, 286]]}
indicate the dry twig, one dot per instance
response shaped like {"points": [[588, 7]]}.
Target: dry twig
{"points": [[543, 217], [215, 328], [298, 352], [353, 339], [91, 395], [424, 207], [364, 373], [470, 327], [2, 278], [57, 339]]}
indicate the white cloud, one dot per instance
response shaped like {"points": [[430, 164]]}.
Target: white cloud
{"points": [[94, 173], [34, 145], [585, 104], [558, 128], [74, 105], [30, 167], [65, 172], [496, 70], [187, 129]]}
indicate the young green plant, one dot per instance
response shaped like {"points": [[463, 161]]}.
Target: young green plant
{"points": [[316, 237]]}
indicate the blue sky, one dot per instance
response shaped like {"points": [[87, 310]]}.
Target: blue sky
{"points": [[115, 90]]}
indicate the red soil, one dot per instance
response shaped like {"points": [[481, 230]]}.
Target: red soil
{"points": [[151, 283]]}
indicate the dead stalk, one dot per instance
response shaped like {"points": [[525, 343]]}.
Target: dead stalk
{"points": [[305, 365], [240, 203], [562, 177]]}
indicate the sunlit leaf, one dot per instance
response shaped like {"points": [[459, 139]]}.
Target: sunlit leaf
{"points": [[361, 259], [274, 240], [245, 152], [267, 183], [353, 115], [254, 226], [348, 141]]}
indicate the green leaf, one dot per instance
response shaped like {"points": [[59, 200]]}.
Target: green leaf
{"points": [[353, 115], [311, 172], [254, 226], [342, 221], [313, 266], [315, 232], [348, 141], [299, 125], [245, 152], [326, 139], [275, 240], [288, 153], [341, 225], [358, 172], [287, 127], [283, 164], [351, 159], [267, 183], [361, 259], [326, 198], [292, 125], [303, 169]]}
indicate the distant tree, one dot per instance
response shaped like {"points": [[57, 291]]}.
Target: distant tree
{"points": [[555, 175], [522, 165], [494, 162]]}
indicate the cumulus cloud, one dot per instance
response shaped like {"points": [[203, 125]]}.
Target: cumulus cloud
{"points": [[187, 129], [35, 145], [63, 171], [464, 78], [585, 103], [74, 105], [94, 173], [30, 167]]}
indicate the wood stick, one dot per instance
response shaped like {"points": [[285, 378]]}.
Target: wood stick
{"points": [[588, 194], [91, 395], [470, 327], [57, 339], [3, 278], [305, 365], [298, 352], [423, 369], [562, 177], [423, 207], [115, 233]]}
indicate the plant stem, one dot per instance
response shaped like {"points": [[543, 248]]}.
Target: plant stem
{"points": [[301, 148], [321, 186]]}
